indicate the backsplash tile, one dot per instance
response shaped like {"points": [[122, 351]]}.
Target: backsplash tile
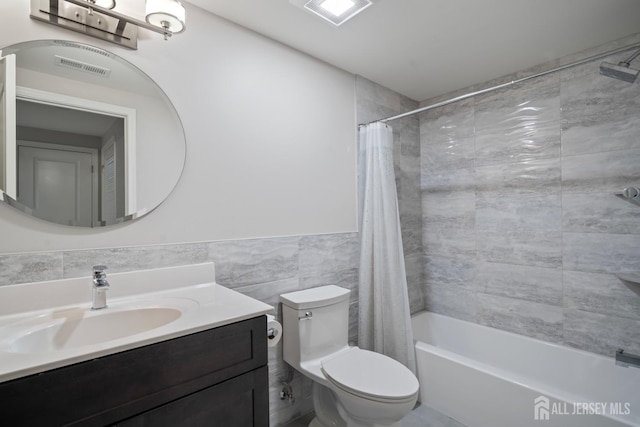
{"points": [[79, 263], [25, 268], [247, 262], [328, 253]]}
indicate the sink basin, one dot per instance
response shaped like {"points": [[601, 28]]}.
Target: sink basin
{"points": [[78, 327]]}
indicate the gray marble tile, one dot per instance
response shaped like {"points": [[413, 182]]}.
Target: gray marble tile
{"points": [[600, 172], [252, 261], [409, 177], [79, 263], [535, 103], [347, 279], [415, 282], [447, 181], [411, 225], [595, 134], [450, 300], [599, 213], [353, 323], [409, 137], [451, 211], [451, 121], [536, 284], [533, 248], [269, 293], [328, 253], [532, 319], [600, 293], [600, 333], [601, 252], [387, 101], [518, 125], [31, 267], [460, 271], [587, 93], [519, 143], [534, 177], [282, 412], [519, 213], [447, 152], [453, 242]]}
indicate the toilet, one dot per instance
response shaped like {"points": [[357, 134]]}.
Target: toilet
{"points": [[352, 387]]}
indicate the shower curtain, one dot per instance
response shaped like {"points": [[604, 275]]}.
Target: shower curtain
{"points": [[384, 316]]}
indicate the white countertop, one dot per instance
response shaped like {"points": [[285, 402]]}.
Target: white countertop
{"points": [[191, 289]]}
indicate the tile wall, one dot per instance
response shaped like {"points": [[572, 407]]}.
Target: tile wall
{"points": [[375, 102], [521, 230]]}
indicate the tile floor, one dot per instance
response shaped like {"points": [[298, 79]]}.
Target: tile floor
{"points": [[421, 416]]}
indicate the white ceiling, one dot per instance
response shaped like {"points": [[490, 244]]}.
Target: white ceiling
{"points": [[424, 48]]}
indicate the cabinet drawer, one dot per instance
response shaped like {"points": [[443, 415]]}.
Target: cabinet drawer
{"points": [[240, 402], [115, 387]]}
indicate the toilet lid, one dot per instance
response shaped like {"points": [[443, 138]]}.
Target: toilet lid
{"points": [[366, 373]]}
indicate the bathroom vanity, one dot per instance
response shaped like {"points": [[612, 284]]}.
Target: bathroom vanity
{"points": [[206, 368]]}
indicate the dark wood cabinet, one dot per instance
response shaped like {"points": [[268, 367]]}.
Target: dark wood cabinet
{"points": [[217, 377]]}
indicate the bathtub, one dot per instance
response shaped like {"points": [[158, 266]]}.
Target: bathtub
{"points": [[485, 377]]}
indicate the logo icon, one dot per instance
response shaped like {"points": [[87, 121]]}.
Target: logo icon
{"points": [[541, 408]]}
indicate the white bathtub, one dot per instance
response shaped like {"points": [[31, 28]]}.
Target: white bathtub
{"points": [[485, 377]]}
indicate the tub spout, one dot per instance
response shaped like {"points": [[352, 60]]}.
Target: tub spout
{"points": [[627, 359]]}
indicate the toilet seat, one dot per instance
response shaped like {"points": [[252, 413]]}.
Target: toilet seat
{"points": [[370, 375]]}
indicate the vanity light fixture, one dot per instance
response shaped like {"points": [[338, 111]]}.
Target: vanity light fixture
{"points": [[98, 19], [107, 4], [337, 11]]}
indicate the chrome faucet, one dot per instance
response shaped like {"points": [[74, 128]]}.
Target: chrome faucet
{"points": [[100, 287]]}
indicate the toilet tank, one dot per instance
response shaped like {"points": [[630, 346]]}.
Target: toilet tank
{"points": [[315, 323]]}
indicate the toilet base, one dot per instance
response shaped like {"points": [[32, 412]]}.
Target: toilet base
{"points": [[330, 413]]}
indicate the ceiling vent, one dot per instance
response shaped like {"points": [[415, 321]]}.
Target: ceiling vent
{"points": [[74, 64], [335, 11]]}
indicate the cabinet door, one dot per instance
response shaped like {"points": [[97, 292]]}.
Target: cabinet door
{"points": [[240, 402]]}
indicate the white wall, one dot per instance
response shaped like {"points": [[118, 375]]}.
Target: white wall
{"points": [[270, 139]]}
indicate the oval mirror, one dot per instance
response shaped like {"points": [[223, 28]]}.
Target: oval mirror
{"points": [[90, 140]]}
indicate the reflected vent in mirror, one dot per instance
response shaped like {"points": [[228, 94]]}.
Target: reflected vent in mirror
{"points": [[82, 66], [83, 47]]}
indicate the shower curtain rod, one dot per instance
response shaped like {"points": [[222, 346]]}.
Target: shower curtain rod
{"points": [[507, 84]]}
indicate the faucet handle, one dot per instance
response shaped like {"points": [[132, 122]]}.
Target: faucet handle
{"points": [[99, 268]]}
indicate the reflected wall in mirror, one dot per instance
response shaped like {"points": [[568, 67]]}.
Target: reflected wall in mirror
{"points": [[94, 141]]}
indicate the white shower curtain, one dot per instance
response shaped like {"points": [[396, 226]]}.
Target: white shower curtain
{"points": [[384, 315]]}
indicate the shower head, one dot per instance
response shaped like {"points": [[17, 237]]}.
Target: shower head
{"points": [[620, 71]]}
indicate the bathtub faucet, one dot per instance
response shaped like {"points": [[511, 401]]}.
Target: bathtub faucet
{"points": [[627, 359]]}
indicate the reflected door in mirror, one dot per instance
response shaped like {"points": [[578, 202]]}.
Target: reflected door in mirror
{"points": [[57, 183]]}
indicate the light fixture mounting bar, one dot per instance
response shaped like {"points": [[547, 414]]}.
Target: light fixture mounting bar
{"points": [[96, 21]]}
